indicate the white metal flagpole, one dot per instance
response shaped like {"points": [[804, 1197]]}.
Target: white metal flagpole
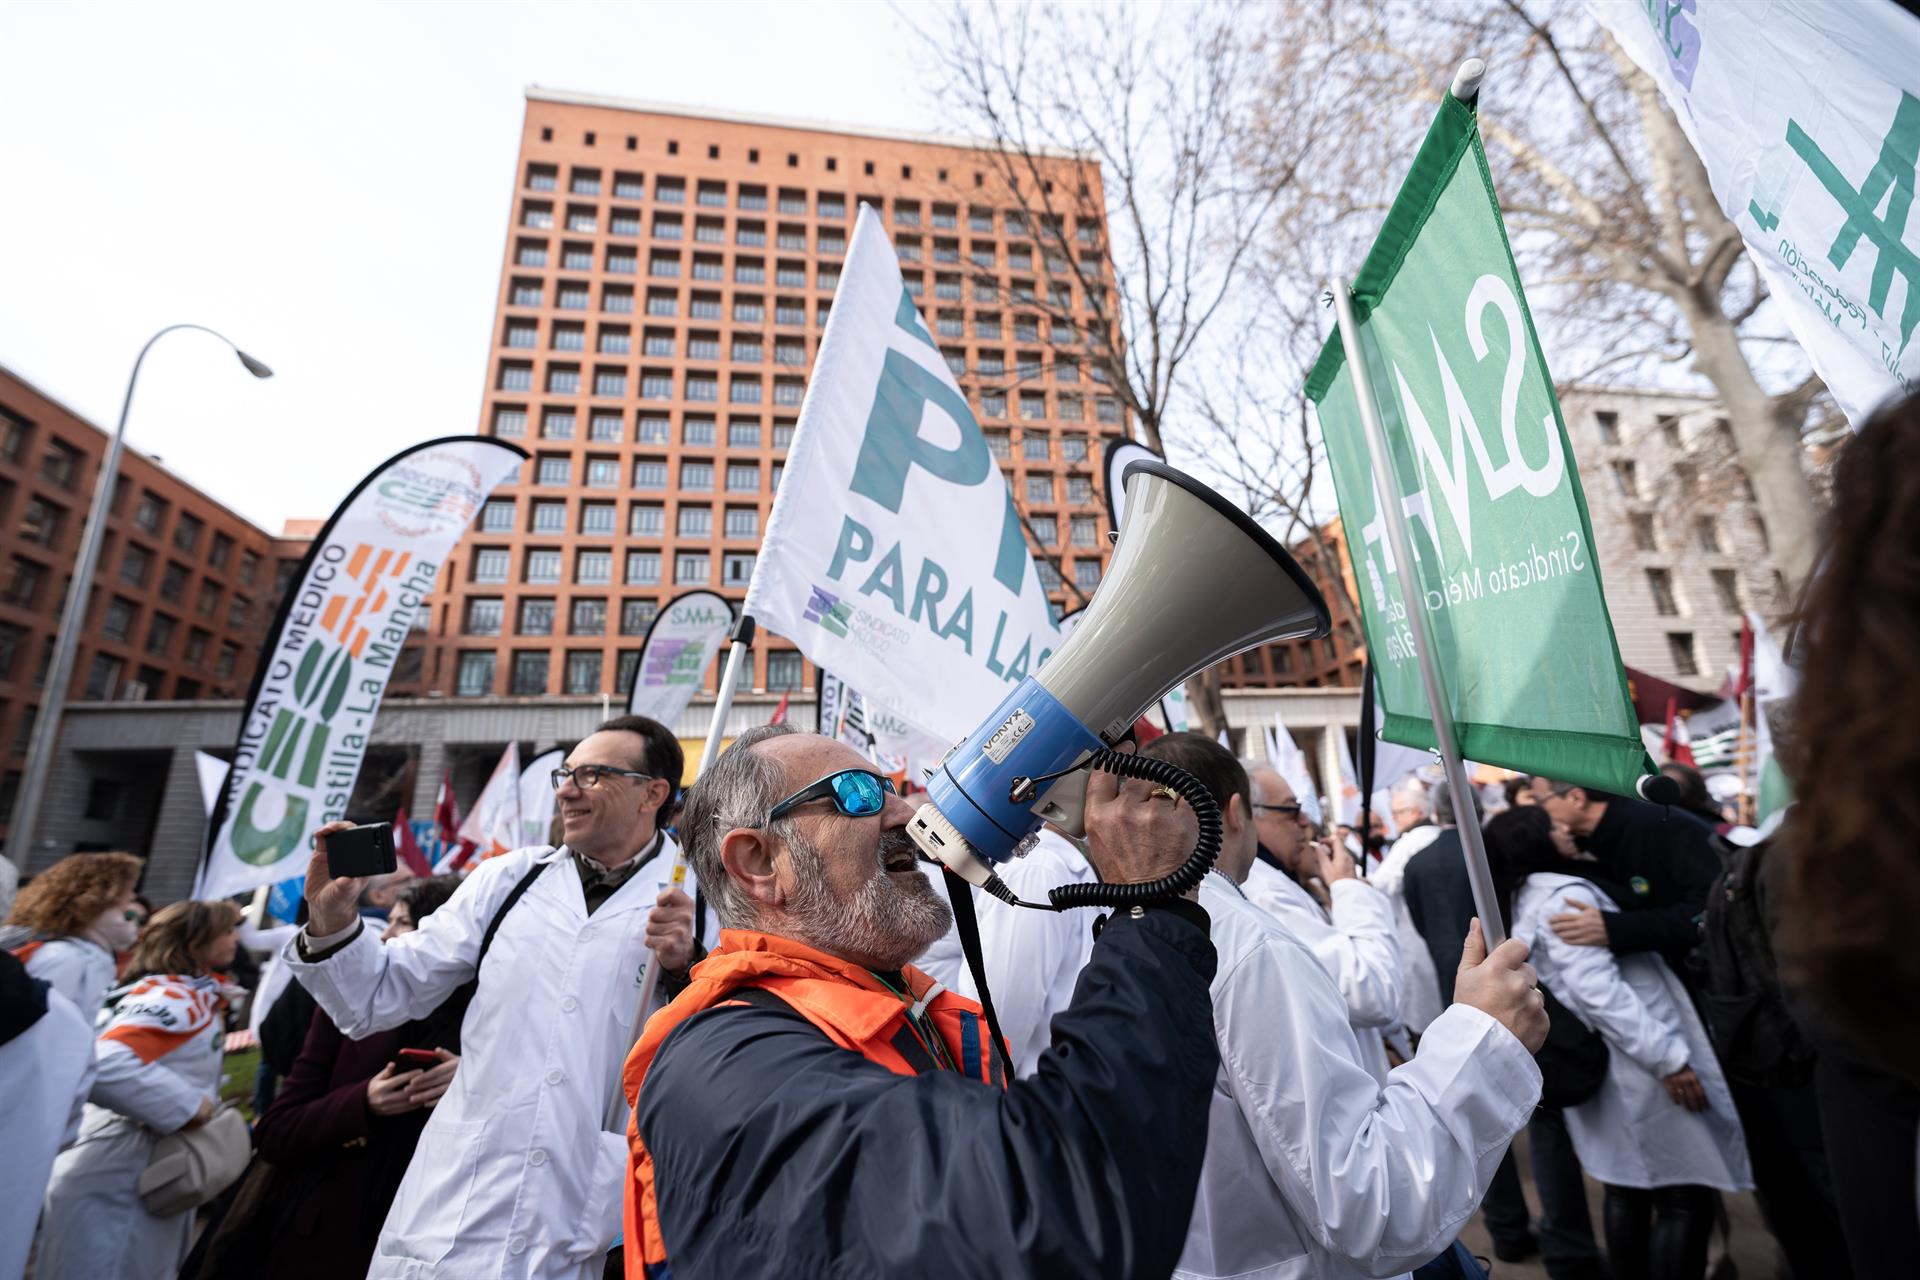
{"points": [[740, 650], [1387, 495]]}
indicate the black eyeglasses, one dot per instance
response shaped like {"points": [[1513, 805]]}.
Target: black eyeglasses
{"points": [[857, 793], [588, 776], [1291, 810]]}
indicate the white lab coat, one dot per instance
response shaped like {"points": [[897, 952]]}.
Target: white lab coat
{"points": [[94, 1224], [1420, 993], [78, 968], [1631, 1134], [515, 1175], [1034, 957], [1313, 1170], [45, 1073], [1356, 945]]}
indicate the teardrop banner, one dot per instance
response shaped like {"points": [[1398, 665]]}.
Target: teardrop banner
{"points": [[674, 658], [326, 660]]}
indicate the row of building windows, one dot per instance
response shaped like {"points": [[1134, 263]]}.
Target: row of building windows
{"points": [[583, 671], [594, 566], [794, 202], [695, 476], [650, 427], [612, 383]]}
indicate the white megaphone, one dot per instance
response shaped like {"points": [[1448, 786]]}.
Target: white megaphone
{"points": [[1193, 582]]}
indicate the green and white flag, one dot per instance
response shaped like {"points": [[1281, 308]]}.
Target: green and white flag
{"points": [[1485, 473]]}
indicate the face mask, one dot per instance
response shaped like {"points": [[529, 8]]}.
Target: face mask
{"points": [[118, 931]]}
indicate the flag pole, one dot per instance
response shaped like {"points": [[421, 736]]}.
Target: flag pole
{"points": [[1387, 493], [739, 652]]}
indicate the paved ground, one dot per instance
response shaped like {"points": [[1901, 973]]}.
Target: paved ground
{"points": [[1751, 1248]]}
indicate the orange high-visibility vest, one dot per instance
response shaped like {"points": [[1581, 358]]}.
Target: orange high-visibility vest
{"points": [[852, 1007]]}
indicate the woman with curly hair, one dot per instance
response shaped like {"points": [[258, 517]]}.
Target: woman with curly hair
{"points": [[1847, 877], [157, 1071], [72, 919]]}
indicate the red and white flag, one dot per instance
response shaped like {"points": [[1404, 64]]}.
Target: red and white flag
{"points": [[404, 843]]}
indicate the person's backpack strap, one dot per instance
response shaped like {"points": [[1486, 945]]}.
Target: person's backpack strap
{"points": [[493, 926]]}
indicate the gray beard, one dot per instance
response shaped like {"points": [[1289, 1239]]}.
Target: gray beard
{"points": [[887, 922]]}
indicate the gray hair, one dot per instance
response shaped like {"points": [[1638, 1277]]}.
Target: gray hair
{"points": [[1444, 811], [737, 790], [1414, 795]]}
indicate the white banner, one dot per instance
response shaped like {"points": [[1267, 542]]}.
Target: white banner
{"points": [[893, 554], [493, 824], [679, 647], [1290, 762], [536, 797], [1806, 116], [325, 666]]}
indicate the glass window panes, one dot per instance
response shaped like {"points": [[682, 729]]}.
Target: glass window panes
{"points": [[697, 431], [484, 616], [650, 473], [549, 517], [1081, 531], [785, 670], [691, 568], [1035, 447], [696, 476], [1046, 530], [637, 615], [473, 675], [597, 517], [587, 618], [653, 429], [536, 618], [490, 565], [553, 471], [1073, 448], [646, 519], [743, 434], [497, 516], [694, 522], [1000, 444], [1079, 489], [643, 568], [529, 674], [1086, 574], [583, 672], [603, 473], [743, 478], [557, 424], [736, 569], [743, 522], [1039, 488], [509, 423], [543, 566], [593, 567], [604, 427]]}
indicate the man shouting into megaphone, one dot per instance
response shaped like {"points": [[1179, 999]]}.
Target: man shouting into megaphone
{"points": [[812, 1103]]}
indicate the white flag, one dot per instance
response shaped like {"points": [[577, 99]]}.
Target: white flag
{"points": [[893, 554], [1291, 763], [1347, 802], [536, 797], [324, 667], [1806, 115], [493, 824]]}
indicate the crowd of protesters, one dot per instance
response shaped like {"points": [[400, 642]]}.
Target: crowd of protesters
{"points": [[1310, 1066]]}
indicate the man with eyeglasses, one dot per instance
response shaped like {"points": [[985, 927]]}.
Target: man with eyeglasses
{"points": [[517, 1173], [1352, 937], [813, 1105]]}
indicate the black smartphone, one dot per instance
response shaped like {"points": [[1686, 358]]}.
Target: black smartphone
{"points": [[362, 851]]}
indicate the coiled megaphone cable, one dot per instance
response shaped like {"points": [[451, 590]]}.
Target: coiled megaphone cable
{"points": [[1102, 894]]}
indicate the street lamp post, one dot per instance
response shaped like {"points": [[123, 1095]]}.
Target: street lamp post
{"points": [[66, 643]]}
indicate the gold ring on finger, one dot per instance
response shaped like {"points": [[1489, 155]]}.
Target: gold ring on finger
{"points": [[1164, 792]]}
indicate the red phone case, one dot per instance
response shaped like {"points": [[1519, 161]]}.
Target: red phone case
{"points": [[412, 1059]]}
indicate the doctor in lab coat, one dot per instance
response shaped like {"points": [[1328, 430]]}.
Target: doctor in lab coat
{"points": [[1355, 942], [1314, 1170], [518, 1173]]}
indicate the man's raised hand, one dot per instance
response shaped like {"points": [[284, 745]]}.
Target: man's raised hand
{"points": [[332, 901], [1503, 986]]}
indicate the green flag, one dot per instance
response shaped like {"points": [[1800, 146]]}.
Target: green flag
{"points": [[1486, 475]]}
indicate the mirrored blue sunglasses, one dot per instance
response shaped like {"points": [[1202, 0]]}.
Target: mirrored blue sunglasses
{"points": [[857, 793]]}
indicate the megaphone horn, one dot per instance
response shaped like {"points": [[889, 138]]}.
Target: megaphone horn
{"points": [[1193, 582]]}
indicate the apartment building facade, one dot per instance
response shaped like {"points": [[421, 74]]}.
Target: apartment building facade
{"points": [[182, 597], [666, 281]]}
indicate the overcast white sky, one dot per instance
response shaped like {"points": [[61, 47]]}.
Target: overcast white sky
{"points": [[329, 186]]}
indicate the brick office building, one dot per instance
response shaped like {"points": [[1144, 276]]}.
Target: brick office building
{"points": [[667, 277], [182, 597]]}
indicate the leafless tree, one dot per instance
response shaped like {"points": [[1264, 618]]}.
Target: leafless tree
{"points": [[1628, 260], [1182, 208]]}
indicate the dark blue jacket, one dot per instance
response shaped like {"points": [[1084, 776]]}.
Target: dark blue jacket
{"points": [[777, 1153]]}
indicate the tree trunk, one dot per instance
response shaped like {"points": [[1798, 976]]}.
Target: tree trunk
{"points": [[1205, 700], [1765, 436]]}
